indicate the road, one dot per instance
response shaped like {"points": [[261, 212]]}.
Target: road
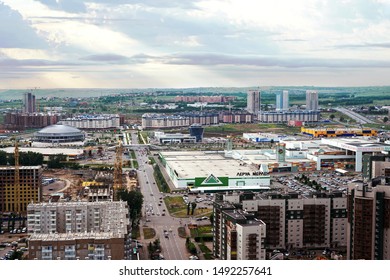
{"points": [[155, 214], [359, 118]]}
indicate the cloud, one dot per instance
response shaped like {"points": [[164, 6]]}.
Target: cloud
{"points": [[106, 58], [364, 46], [15, 32], [80, 6]]}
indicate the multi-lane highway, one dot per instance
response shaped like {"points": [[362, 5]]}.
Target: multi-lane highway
{"points": [[359, 118], [155, 214]]}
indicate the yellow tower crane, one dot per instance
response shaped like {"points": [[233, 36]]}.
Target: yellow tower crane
{"points": [[118, 181], [17, 179]]}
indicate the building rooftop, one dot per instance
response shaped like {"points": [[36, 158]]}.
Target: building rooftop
{"points": [[59, 129], [74, 236], [46, 151], [201, 164]]}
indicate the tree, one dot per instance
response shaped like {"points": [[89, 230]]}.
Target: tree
{"points": [[56, 161], [385, 119], [341, 119], [212, 218], [193, 206], [3, 158], [332, 116], [134, 200]]}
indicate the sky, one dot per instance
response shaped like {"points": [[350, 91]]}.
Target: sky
{"points": [[197, 43]]}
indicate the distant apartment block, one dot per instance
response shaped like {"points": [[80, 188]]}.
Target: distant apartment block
{"points": [[253, 101], [282, 101], [16, 196], [311, 100], [29, 104], [287, 116], [179, 120], [236, 117], [208, 99], [21, 121], [103, 121]]}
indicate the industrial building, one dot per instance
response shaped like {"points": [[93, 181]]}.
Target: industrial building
{"points": [[197, 131], [179, 120], [57, 134], [15, 196], [287, 116], [323, 154], [70, 153], [202, 171], [369, 212], [173, 138], [102, 121], [338, 132], [291, 221], [262, 137]]}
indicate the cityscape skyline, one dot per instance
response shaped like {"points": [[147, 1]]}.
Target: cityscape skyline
{"points": [[160, 44]]}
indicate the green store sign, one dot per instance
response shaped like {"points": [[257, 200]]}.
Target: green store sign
{"points": [[211, 181]]}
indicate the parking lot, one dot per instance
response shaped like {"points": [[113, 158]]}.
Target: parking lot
{"points": [[12, 245], [306, 184]]}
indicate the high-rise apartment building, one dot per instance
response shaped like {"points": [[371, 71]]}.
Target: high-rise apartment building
{"points": [[29, 105], [311, 100], [71, 217], [78, 230], [15, 196], [238, 235], [253, 101], [291, 221], [282, 101], [369, 213]]}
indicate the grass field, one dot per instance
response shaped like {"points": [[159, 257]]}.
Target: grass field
{"points": [[149, 233], [177, 208]]}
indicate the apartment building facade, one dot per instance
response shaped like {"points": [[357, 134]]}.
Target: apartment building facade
{"points": [[76, 217], [78, 230], [238, 235], [16, 196], [292, 221], [76, 246], [369, 212]]}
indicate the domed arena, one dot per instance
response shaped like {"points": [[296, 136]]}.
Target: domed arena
{"points": [[59, 133]]}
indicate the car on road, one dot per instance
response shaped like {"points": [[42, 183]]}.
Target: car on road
{"points": [[193, 257]]}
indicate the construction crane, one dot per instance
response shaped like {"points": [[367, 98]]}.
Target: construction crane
{"points": [[17, 178], [118, 181]]}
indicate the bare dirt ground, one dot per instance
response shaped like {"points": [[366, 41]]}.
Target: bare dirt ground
{"points": [[65, 182]]}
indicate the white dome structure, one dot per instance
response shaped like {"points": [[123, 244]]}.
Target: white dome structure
{"points": [[59, 133]]}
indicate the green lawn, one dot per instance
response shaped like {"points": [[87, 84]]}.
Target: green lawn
{"points": [[149, 233], [177, 208]]}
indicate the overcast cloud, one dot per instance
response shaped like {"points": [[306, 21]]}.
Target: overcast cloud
{"points": [[179, 43]]}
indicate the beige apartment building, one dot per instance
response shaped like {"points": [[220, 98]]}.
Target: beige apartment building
{"points": [[291, 221], [78, 230]]}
